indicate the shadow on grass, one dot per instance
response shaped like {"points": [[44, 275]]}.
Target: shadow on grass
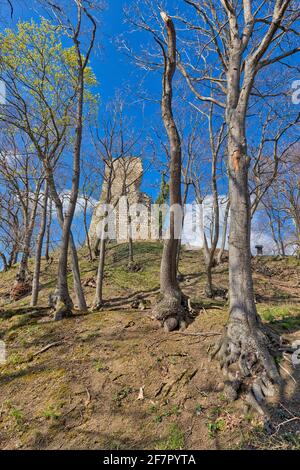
{"points": [[287, 324], [34, 312]]}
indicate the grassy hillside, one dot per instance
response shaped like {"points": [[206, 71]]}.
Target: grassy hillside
{"points": [[77, 383]]}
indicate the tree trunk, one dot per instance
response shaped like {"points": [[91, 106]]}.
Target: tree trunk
{"points": [[170, 311], [98, 300], [209, 289], [209, 253], [48, 232], [130, 242], [4, 261], [74, 258], [281, 242], [130, 251], [13, 255], [215, 226], [87, 236], [240, 276], [63, 307], [38, 254], [76, 275], [29, 226], [245, 340], [184, 200], [224, 234], [22, 273], [208, 267], [96, 247]]}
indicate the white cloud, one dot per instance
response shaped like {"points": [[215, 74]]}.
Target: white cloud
{"points": [[65, 197], [199, 219]]}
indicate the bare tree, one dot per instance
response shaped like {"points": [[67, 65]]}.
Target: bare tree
{"points": [[191, 144], [243, 51], [289, 186], [270, 153], [170, 310], [48, 229], [273, 208], [115, 147], [75, 32], [87, 190], [216, 140], [22, 175], [10, 227], [228, 46], [49, 121]]}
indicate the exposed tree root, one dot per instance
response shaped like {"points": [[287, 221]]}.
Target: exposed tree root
{"points": [[98, 306], [173, 311], [62, 310], [246, 360], [213, 292]]}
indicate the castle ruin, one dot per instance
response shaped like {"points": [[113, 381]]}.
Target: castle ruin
{"points": [[122, 177]]}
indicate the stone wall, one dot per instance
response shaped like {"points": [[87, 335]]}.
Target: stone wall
{"points": [[122, 177]]}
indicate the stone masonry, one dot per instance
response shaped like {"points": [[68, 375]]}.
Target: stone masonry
{"points": [[123, 176]]}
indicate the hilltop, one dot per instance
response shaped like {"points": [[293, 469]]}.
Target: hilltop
{"points": [[115, 380]]}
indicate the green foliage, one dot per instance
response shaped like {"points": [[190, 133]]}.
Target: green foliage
{"points": [[153, 409], [286, 316], [51, 413], [43, 74], [99, 365], [199, 409], [17, 415], [173, 411], [15, 359], [162, 199], [163, 196], [175, 440], [215, 427]]}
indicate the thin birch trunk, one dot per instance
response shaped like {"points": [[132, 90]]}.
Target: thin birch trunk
{"points": [[38, 254], [48, 231], [29, 227]]}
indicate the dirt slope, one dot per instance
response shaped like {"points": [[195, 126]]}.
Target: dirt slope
{"points": [[115, 380]]}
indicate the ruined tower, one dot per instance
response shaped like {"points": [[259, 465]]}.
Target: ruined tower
{"points": [[122, 177]]}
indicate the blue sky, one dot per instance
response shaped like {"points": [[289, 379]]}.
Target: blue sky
{"points": [[115, 71]]}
